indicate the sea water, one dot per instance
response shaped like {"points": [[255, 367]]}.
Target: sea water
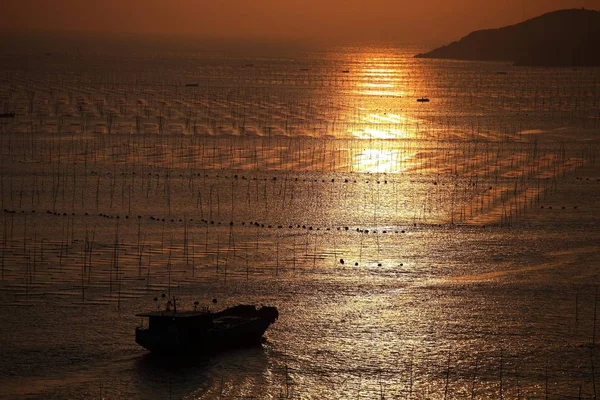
{"points": [[424, 250]]}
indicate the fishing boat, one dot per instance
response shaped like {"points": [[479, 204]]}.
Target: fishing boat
{"points": [[423, 100], [170, 332]]}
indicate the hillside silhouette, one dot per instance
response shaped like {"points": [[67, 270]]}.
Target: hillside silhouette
{"points": [[567, 38]]}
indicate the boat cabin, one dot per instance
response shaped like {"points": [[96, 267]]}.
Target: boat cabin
{"points": [[188, 321]]}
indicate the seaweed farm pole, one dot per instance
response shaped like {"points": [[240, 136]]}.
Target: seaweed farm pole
{"points": [[247, 270], [221, 388], [186, 253], [225, 267], [27, 275], [576, 307], [277, 254], [334, 251], [89, 262], [199, 203], [218, 203], [169, 269], [114, 258], [117, 244], [447, 377], [294, 255], [148, 270], [4, 247], [139, 249], [232, 202], [380, 387], [83, 265], [473, 379], [518, 386], [193, 258], [501, 374], [2, 175], [287, 383], [595, 317], [218, 250], [593, 370], [315, 252], [410, 373], [232, 239], [546, 380]]}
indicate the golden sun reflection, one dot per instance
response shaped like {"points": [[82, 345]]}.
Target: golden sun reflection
{"points": [[379, 81], [378, 118], [379, 71], [389, 93], [374, 133], [377, 85], [377, 126], [381, 161]]}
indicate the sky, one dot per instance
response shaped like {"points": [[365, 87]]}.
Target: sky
{"points": [[343, 21]]}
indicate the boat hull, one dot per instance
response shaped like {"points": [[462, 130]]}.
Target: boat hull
{"points": [[248, 330]]}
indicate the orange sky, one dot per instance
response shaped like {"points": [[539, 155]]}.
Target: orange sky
{"points": [[422, 21]]}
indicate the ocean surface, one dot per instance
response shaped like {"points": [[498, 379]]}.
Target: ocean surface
{"points": [[447, 249]]}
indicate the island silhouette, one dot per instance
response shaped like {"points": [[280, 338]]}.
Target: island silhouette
{"points": [[564, 38]]}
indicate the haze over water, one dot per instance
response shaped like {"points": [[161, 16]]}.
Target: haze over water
{"points": [[446, 249]]}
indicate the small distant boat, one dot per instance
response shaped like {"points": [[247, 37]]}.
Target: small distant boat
{"points": [[175, 333], [192, 85], [346, 71], [500, 72], [7, 115], [423, 100]]}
